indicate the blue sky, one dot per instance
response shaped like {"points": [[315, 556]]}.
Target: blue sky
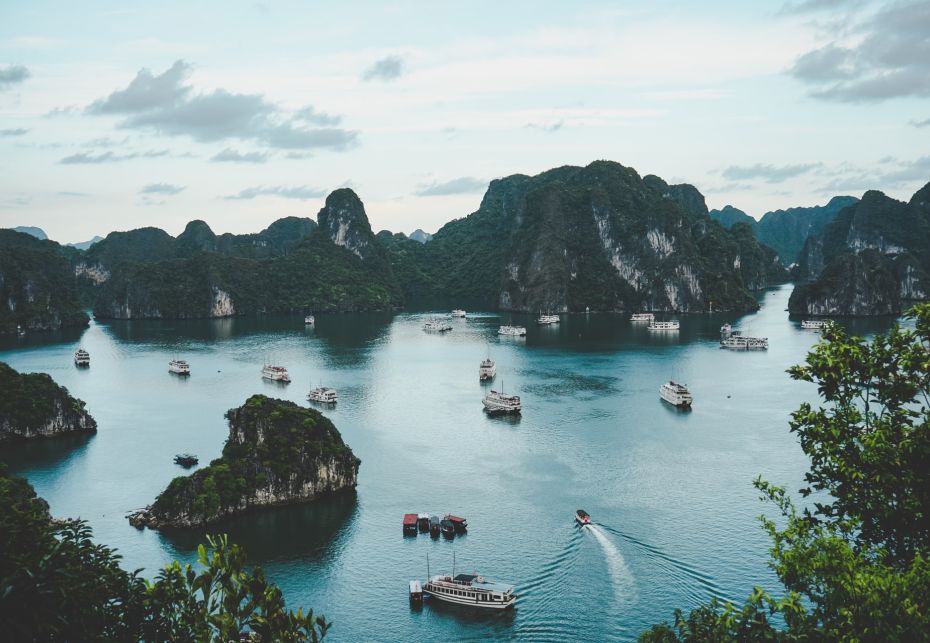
{"points": [[115, 116]]}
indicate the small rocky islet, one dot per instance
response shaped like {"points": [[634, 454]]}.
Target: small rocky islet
{"points": [[277, 453], [33, 406]]}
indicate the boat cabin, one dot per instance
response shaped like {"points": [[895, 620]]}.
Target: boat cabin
{"points": [[410, 524]]}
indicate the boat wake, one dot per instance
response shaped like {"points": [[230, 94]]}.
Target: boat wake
{"points": [[620, 575]]}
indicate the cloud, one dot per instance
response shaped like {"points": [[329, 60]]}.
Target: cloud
{"points": [[167, 105], [16, 131], [13, 75], [810, 6], [890, 58], [908, 172], [389, 68], [146, 91], [461, 185], [70, 193], [65, 110], [547, 127], [162, 188], [300, 192], [230, 155], [90, 158], [768, 173], [923, 123]]}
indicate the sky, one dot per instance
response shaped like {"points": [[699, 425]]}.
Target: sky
{"points": [[119, 115]]}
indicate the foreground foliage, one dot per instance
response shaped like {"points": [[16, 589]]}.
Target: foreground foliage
{"points": [[855, 564], [56, 584]]}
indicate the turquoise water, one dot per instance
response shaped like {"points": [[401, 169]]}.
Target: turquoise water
{"points": [[671, 492]]}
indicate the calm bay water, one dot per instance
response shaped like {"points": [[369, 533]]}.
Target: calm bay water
{"points": [[671, 492]]}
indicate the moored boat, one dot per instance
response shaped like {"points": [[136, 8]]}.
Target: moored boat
{"points": [[642, 317], [410, 524], [512, 331], [582, 517], [276, 374], [309, 320], [664, 325], [676, 394], [416, 594], [323, 395], [459, 523], [458, 312], [186, 460], [498, 403], [179, 367], [81, 357], [434, 526], [487, 370], [447, 527], [423, 523], [546, 320], [813, 324], [436, 326], [744, 343], [470, 589]]}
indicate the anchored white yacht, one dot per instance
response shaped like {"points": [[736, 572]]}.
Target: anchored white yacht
{"points": [[513, 331], [82, 357], [458, 312], [813, 324], [498, 403], [436, 326], [276, 374], [642, 317], [323, 395], [664, 325], [470, 589], [676, 394], [179, 366]]}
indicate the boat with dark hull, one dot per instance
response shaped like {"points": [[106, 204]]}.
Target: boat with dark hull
{"points": [[582, 517]]}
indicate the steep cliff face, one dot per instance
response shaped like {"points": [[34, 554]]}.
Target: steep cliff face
{"points": [[33, 406], [728, 216], [872, 259], [38, 291], [276, 453], [344, 221]]}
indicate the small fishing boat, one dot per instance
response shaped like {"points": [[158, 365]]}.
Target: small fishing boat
{"points": [[642, 317], [416, 594], [434, 526], [179, 367], [460, 524], [186, 460], [81, 357], [512, 331], [410, 524], [458, 312], [582, 517], [323, 395], [676, 394], [447, 527], [423, 523], [276, 374], [470, 589]]}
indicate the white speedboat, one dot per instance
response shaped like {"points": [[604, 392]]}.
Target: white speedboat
{"points": [[512, 331], [472, 590], [81, 357], [546, 320], [813, 324], [309, 320], [498, 403], [436, 326], [276, 374], [179, 366], [642, 317], [487, 370], [676, 394], [664, 325], [458, 312], [323, 395]]}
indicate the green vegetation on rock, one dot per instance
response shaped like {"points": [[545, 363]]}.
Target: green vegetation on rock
{"points": [[32, 405]]}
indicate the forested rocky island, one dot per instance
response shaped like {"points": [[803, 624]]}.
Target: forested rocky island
{"points": [[33, 406], [276, 453]]}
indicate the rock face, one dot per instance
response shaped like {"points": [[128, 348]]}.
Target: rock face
{"points": [[873, 259], [344, 221], [728, 216], [33, 406], [38, 291], [420, 236], [276, 453]]}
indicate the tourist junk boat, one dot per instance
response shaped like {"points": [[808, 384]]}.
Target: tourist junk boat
{"points": [[436, 326], [410, 524], [487, 370], [546, 320], [458, 312], [459, 524], [81, 357], [813, 324], [309, 320], [323, 395], [470, 589], [676, 394], [582, 517], [423, 523], [179, 367], [664, 325], [276, 374], [513, 331], [186, 460], [497, 403], [744, 343], [642, 317]]}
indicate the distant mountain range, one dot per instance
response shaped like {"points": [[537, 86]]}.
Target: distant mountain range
{"points": [[419, 235], [39, 233]]}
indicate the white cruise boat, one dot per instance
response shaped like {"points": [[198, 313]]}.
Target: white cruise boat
{"points": [[436, 326], [642, 317], [813, 324], [664, 325], [470, 589], [323, 395], [81, 357], [676, 394], [487, 370], [309, 320], [546, 320], [513, 331], [744, 343], [498, 403], [458, 312], [179, 366], [276, 374]]}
